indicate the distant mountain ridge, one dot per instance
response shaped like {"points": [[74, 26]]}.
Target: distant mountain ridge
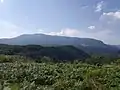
{"points": [[89, 45], [42, 39], [118, 46]]}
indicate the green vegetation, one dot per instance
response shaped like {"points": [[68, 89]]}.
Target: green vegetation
{"points": [[68, 53], [34, 67], [19, 73]]}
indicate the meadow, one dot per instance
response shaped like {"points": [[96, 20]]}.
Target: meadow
{"points": [[29, 75]]}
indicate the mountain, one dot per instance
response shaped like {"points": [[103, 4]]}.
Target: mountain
{"points": [[91, 46], [107, 50], [118, 46], [37, 51], [42, 39]]}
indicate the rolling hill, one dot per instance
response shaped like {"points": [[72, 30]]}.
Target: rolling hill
{"points": [[37, 51], [91, 46]]}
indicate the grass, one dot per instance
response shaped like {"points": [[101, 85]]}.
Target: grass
{"points": [[58, 76]]}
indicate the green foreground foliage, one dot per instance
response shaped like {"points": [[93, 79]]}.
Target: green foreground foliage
{"points": [[19, 75]]}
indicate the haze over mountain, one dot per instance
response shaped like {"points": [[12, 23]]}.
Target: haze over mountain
{"points": [[118, 46], [42, 39], [86, 44]]}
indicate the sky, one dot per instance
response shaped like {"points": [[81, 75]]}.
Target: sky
{"points": [[98, 19]]}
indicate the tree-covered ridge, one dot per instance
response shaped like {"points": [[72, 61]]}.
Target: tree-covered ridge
{"points": [[36, 51]]}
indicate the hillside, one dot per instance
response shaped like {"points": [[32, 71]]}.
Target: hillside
{"points": [[118, 46], [88, 45], [36, 51], [59, 76], [42, 39], [106, 50]]}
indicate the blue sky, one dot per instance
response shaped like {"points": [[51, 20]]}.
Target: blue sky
{"points": [[99, 19]]}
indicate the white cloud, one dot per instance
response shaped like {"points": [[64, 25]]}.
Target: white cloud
{"points": [[111, 22], [101, 34], [66, 32], [115, 15], [99, 6], [91, 27]]}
